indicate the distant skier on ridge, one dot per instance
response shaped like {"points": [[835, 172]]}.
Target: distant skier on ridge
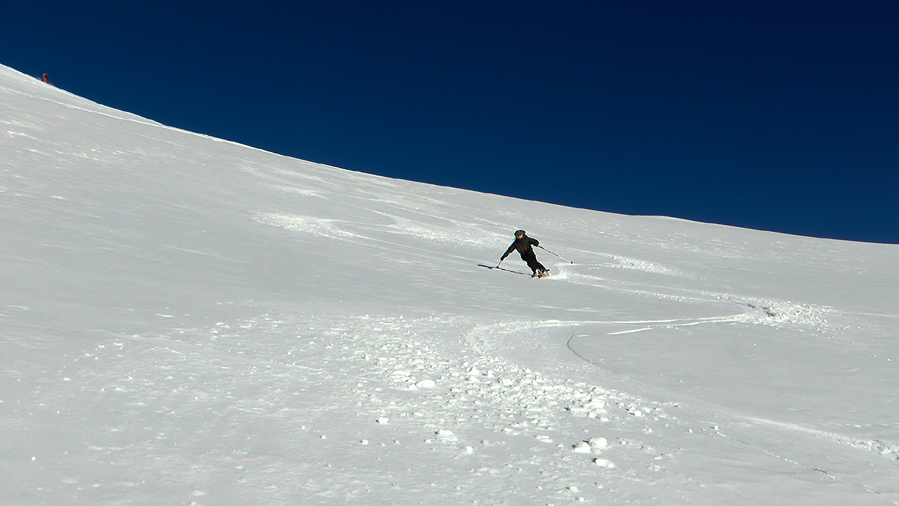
{"points": [[524, 244]]}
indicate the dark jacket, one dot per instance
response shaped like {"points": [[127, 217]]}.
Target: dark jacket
{"points": [[523, 246]]}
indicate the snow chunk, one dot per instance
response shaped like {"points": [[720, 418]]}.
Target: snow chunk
{"points": [[598, 443], [446, 435], [593, 445], [582, 447], [608, 464], [426, 383]]}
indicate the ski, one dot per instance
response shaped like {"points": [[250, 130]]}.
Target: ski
{"points": [[498, 268]]}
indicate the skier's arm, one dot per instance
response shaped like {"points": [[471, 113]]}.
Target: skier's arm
{"points": [[508, 251], [533, 241]]}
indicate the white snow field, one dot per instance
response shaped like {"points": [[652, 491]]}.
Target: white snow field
{"points": [[190, 321]]}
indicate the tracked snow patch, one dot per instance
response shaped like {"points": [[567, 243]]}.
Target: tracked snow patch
{"points": [[306, 224]]}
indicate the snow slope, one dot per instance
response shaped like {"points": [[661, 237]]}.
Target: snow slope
{"points": [[187, 320]]}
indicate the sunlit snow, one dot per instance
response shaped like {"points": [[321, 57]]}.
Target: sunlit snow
{"points": [[190, 321]]}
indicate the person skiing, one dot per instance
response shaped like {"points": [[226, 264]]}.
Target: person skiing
{"points": [[47, 80], [524, 244]]}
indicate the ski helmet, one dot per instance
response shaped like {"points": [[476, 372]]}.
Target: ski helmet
{"points": [[519, 232]]}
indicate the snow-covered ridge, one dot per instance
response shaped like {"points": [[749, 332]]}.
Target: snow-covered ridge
{"points": [[190, 321]]}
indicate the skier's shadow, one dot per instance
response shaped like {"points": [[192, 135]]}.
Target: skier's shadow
{"points": [[498, 268]]}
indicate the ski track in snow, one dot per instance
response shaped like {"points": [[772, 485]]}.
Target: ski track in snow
{"points": [[333, 228], [423, 385], [430, 387]]}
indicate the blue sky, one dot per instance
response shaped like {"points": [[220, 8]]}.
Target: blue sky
{"points": [[779, 116]]}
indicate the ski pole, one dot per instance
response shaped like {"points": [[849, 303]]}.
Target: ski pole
{"points": [[551, 253]]}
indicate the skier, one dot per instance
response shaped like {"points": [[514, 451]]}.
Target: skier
{"points": [[523, 244], [47, 80]]}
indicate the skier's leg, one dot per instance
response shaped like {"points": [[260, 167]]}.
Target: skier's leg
{"points": [[532, 263], [536, 267]]}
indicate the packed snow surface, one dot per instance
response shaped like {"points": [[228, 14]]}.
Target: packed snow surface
{"points": [[186, 320]]}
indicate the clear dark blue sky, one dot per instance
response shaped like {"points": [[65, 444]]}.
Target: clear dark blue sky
{"points": [[776, 115]]}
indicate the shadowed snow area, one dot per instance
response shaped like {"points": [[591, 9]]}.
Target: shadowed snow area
{"points": [[187, 320]]}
